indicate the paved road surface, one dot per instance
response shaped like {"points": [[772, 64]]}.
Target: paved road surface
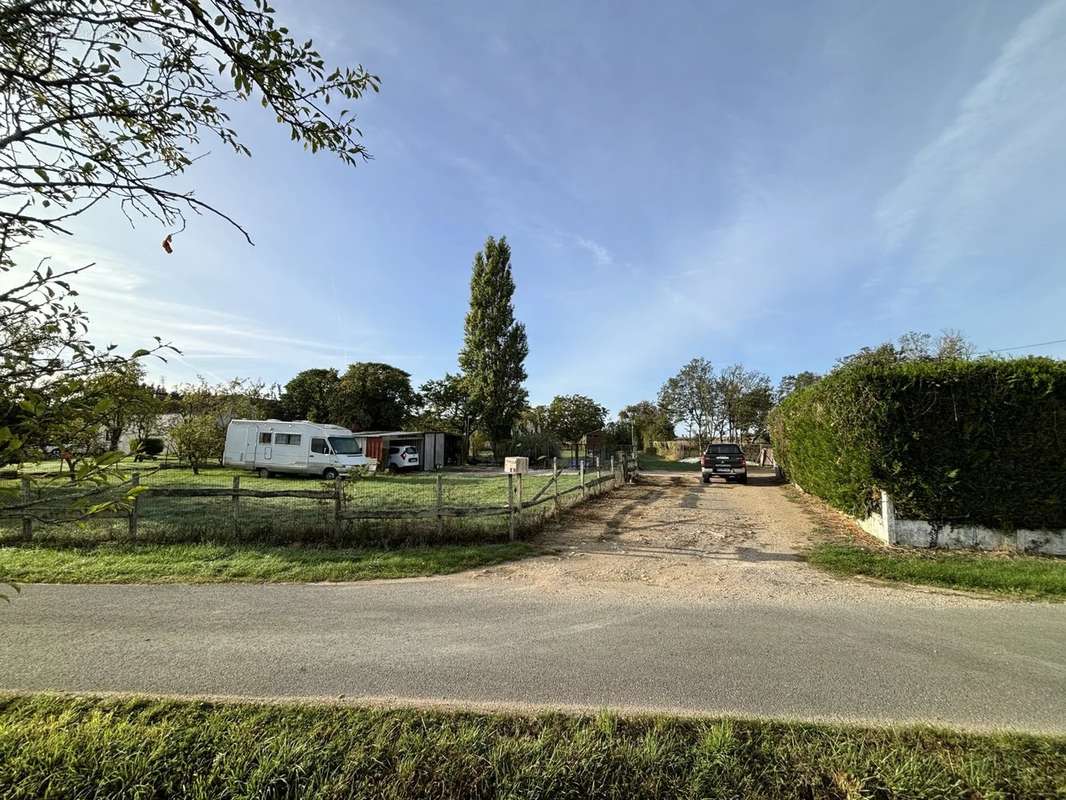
{"points": [[487, 640]]}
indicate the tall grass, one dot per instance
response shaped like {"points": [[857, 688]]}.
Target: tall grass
{"points": [[106, 748], [207, 563]]}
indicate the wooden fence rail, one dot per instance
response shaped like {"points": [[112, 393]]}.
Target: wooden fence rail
{"points": [[30, 510]]}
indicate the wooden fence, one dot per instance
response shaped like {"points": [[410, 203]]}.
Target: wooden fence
{"points": [[622, 469]]}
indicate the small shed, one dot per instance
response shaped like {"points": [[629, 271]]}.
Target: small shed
{"points": [[435, 448]]}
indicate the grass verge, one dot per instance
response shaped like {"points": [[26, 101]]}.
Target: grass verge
{"points": [[117, 748], [1029, 577], [203, 563]]}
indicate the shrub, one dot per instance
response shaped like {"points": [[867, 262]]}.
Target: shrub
{"points": [[952, 441], [151, 446]]}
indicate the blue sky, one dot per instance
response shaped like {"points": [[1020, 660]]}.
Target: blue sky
{"points": [[774, 183]]}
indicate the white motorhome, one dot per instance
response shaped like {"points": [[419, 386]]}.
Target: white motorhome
{"points": [[304, 448]]}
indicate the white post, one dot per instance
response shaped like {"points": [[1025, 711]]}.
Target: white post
{"points": [[888, 517]]}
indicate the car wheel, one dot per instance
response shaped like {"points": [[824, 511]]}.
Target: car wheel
{"points": [[393, 469], [743, 479], [329, 473], [706, 478], [263, 472]]}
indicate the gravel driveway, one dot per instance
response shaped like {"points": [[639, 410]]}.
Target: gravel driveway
{"points": [[671, 532]]}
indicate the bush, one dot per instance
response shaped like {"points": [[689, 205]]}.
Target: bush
{"points": [[151, 447], [951, 441]]}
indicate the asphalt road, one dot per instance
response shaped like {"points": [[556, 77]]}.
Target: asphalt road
{"points": [[979, 664]]}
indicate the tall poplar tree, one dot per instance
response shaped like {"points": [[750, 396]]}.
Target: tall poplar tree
{"points": [[494, 347]]}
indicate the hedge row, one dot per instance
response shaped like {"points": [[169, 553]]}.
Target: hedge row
{"points": [[952, 441]]}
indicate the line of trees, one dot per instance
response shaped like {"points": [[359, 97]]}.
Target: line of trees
{"points": [[731, 404]]}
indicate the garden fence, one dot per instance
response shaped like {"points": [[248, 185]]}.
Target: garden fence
{"points": [[168, 505]]}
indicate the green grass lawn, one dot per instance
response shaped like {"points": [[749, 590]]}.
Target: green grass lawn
{"points": [[201, 563], [1029, 577], [276, 520], [656, 464], [61, 747]]}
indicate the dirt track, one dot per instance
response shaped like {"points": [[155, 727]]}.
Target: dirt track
{"points": [[672, 532]]}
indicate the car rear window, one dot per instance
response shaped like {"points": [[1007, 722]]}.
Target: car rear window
{"points": [[724, 449]]}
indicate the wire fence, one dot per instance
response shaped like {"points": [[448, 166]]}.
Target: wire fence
{"points": [[228, 505]]}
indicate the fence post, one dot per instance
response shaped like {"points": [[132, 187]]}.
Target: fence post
{"points": [[237, 505], [338, 498], [135, 481], [614, 474], [555, 474], [581, 475], [510, 505], [519, 490], [440, 504], [27, 522]]}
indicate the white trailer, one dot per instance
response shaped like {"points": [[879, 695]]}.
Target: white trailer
{"points": [[302, 448]]}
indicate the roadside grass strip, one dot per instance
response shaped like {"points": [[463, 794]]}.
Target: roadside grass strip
{"points": [[203, 563], [1024, 577], [63, 747]]}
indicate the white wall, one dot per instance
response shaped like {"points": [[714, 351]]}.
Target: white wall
{"points": [[890, 529]]}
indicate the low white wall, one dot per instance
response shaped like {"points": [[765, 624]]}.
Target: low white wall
{"points": [[887, 527]]}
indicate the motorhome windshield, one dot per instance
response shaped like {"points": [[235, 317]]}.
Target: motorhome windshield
{"points": [[345, 446]]}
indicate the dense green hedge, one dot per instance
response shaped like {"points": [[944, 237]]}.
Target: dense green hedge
{"points": [[952, 441]]}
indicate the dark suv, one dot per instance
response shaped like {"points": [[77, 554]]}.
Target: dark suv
{"points": [[724, 460]]}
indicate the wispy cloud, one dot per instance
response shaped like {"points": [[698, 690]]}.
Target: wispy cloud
{"points": [[124, 309], [1006, 126], [600, 253]]}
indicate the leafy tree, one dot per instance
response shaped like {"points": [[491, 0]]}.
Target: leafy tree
{"points": [[691, 398], [129, 398], [445, 406], [109, 100], [914, 346], [746, 398], [646, 423], [571, 417], [793, 383], [752, 412], [952, 344], [311, 395], [534, 420], [205, 411], [198, 439], [495, 346], [72, 417], [374, 396]]}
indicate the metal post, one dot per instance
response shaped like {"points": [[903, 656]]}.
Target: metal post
{"points": [[236, 505], [581, 474], [440, 505], [555, 478], [614, 473], [27, 522], [519, 490], [135, 481], [510, 505]]}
